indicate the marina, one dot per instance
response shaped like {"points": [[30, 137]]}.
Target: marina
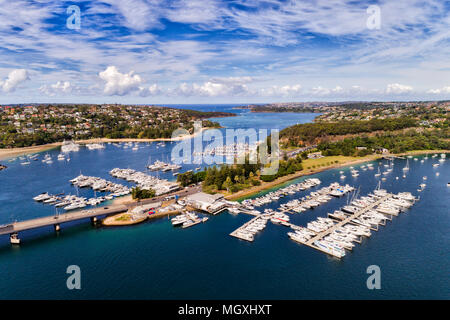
{"points": [[337, 233], [332, 238], [157, 240], [145, 181], [276, 195], [234, 150], [316, 198]]}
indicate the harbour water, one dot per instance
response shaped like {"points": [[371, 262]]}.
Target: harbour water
{"points": [[153, 260]]}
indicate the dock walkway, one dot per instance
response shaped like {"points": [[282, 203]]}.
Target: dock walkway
{"points": [[323, 234], [236, 234]]}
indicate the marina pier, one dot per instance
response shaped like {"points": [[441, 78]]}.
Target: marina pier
{"points": [[56, 220], [320, 236]]}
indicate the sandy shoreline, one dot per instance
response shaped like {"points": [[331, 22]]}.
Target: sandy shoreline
{"points": [[14, 152]]}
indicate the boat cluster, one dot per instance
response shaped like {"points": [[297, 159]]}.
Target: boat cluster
{"points": [[316, 198], [145, 181], [95, 146], [276, 217], [251, 228], [69, 146], [362, 215], [70, 202], [99, 184], [187, 219], [229, 150], [276, 195], [163, 166], [47, 159], [130, 145], [392, 206]]}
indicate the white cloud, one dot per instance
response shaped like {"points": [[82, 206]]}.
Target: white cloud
{"points": [[15, 78], [195, 11], [321, 91], [59, 87], [119, 83], [444, 90], [231, 86], [152, 90], [396, 88], [137, 14], [277, 91]]}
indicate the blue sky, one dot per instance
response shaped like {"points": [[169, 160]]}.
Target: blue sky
{"points": [[236, 51]]}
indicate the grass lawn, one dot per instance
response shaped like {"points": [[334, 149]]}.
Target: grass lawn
{"points": [[124, 217], [327, 161]]}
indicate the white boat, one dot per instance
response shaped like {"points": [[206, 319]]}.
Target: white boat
{"points": [[378, 173], [406, 168], [69, 146], [43, 196], [329, 248], [95, 146], [179, 220], [233, 210]]}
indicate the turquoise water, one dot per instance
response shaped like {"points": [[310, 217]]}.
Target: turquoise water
{"points": [[153, 260]]}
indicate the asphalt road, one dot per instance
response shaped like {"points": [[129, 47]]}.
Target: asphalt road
{"points": [[180, 193]]}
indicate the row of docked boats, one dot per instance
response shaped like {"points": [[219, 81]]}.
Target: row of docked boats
{"points": [[99, 184], [251, 228], [276, 217], [354, 221], [70, 202], [95, 146], [276, 195], [145, 181], [163, 166], [230, 150], [187, 219], [316, 198]]}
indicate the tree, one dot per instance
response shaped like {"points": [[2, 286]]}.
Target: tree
{"points": [[138, 193], [228, 183]]}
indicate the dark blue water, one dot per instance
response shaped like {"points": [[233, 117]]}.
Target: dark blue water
{"points": [[156, 261]]}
